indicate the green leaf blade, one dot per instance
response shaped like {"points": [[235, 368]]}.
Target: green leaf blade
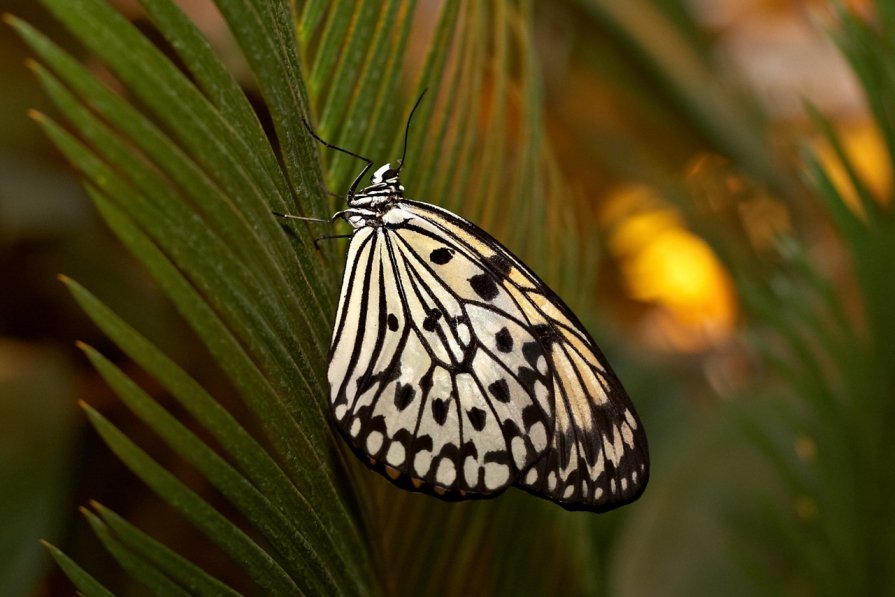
{"points": [[84, 582], [262, 568]]}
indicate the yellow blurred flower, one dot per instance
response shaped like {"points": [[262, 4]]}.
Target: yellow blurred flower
{"points": [[664, 264]]}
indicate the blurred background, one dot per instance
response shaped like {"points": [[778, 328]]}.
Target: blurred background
{"points": [[704, 146]]}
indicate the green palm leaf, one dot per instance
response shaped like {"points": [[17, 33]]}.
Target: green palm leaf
{"points": [[182, 172]]}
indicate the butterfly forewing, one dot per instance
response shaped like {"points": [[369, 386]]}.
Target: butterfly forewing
{"points": [[421, 382], [455, 370]]}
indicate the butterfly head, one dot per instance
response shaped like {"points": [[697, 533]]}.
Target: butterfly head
{"points": [[384, 188], [385, 174]]}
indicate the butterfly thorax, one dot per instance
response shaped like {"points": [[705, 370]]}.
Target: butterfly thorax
{"points": [[370, 205]]}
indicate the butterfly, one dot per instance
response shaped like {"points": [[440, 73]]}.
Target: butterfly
{"points": [[456, 371]]}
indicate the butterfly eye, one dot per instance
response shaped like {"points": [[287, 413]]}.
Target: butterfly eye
{"points": [[389, 174]]}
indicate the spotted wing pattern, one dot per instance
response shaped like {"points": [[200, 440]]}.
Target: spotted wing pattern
{"points": [[434, 372], [456, 370], [598, 457]]}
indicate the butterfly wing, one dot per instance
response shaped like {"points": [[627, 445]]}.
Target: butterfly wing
{"points": [[422, 380], [598, 457]]}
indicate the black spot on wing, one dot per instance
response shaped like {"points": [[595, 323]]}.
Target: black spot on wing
{"points": [[439, 410], [544, 333], [532, 351], [392, 322], [465, 365], [467, 449], [441, 256], [365, 382], [476, 417], [484, 286], [426, 381], [531, 414], [392, 373], [404, 394], [504, 340], [528, 378], [502, 457], [501, 264], [423, 442], [500, 390], [430, 322]]}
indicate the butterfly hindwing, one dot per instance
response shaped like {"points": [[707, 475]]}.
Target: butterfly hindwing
{"points": [[597, 458]]}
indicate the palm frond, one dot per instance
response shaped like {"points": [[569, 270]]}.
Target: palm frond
{"points": [[181, 170]]}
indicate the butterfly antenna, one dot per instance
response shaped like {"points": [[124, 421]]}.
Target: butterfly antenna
{"points": [[407, 130], [367, 161]]}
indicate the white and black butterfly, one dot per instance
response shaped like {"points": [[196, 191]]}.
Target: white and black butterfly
{"points": [[456, 371]]}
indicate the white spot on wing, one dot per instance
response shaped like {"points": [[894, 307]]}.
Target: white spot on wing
{"points": [[374, 442], [496, 475], [341, 410], [538, 436], [396, 454], [532, 476], [519, 451], [467, 391], [446, 473], [471, 471], [615, 450], [463, 334], [421, 462], [628, 435]]}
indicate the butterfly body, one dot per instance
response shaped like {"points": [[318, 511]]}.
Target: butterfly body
{"points": [[455, 370]]}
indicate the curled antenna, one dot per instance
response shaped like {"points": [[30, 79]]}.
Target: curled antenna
{"points": [[407, 130]]}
